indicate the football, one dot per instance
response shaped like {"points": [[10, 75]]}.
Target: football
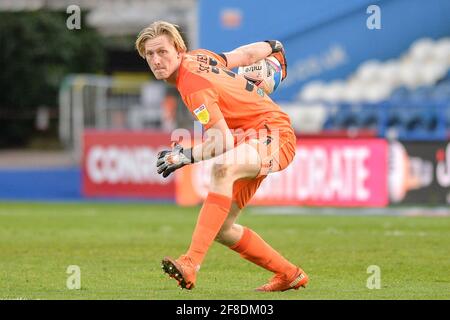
{"points": [[266, 74]]}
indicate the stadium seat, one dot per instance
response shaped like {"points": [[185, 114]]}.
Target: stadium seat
{"points": [[420, 96], [409, 95], [399, 95], [446, 116], [368, 116], [440, 93], [394, 121]]}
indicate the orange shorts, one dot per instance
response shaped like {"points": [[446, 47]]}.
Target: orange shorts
{"points": [[276, 150]]}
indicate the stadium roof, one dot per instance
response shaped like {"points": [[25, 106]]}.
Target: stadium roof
{"points": [[118, 17]]}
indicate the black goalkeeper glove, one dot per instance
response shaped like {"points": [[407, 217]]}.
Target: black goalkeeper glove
{"points": [[278, 53], [171, 160], [276, 45]]}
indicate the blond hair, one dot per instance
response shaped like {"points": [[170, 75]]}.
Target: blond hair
{"points": [[157, 29]]}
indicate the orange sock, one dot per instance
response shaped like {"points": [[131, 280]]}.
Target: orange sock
{"points": [[211, 218], [253, 248]]}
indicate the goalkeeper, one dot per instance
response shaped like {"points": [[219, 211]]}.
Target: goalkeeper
{"points": [[263, 142]]}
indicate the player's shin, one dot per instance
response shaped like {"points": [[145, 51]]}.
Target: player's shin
{"points": [[211, 218], [253, 248]]}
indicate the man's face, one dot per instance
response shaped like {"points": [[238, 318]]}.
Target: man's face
{"points": [[162, 57]]}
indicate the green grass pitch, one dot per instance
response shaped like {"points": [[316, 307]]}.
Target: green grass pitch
{"points": [[118, 248]]}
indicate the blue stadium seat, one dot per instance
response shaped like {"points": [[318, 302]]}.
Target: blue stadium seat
{"points": [[344, 118], [399, 95], [420, 96], [446, 116], [340, 117], [394, 120], [422, 121], [368, 116], [412, 115]]}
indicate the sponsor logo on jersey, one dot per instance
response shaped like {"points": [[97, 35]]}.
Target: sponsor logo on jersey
{"points": [[202, 114]]}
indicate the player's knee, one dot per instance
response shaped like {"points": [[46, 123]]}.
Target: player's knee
{"points": [[223, 236]]}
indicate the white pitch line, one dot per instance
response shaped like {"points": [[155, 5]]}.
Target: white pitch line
{"points": [[404, 211]]}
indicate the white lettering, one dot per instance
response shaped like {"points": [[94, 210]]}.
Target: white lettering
{"points": [[185, 309], [374, 20], [374, 281], [303, 187], [114, 164], [321, 175], [361, 174], [74, 20], [92, 164], [443, 169], [74, 279], [317, 174]]}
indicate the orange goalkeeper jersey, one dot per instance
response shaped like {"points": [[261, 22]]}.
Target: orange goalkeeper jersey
{"points": [[213, 92]]}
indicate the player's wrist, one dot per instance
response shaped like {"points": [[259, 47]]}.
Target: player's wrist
{"points": [[187, 152], [275, 45]]}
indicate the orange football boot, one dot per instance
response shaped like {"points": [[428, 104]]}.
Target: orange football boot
{"points": [[280, 282], [182, 269]]}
